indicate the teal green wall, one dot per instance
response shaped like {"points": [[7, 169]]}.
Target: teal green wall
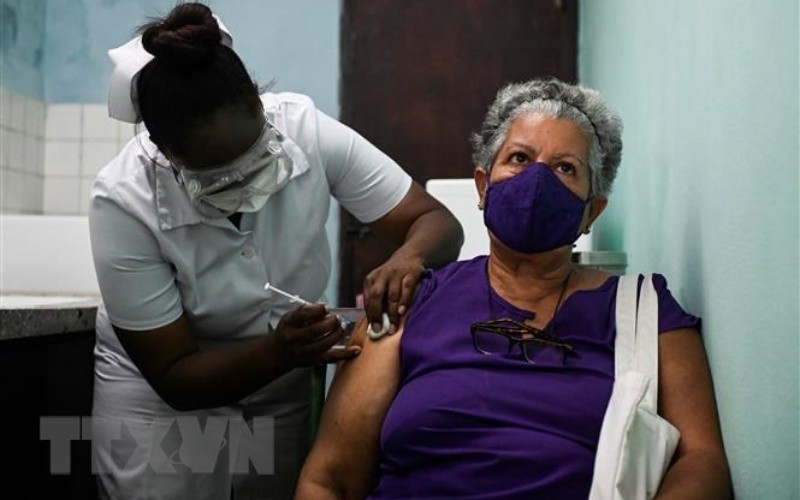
{"points": [[22, 46], [275, 39], [708, 195]]}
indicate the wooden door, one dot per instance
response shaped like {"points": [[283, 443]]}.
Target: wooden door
{"points": [[417, 77]]}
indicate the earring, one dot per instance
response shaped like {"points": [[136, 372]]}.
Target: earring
{"points": [[587, 230], [480, 205]]}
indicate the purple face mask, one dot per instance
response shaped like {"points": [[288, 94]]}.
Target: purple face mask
{"points": [[533, 211]]}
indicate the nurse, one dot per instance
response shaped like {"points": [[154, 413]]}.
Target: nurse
{"points": [[225, 191]]}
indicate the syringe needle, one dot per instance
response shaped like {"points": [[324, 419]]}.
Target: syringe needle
{"points": [[293, 298]]}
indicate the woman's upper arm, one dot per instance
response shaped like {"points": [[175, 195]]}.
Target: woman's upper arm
{"points": [[686, 393], [344, 458]]}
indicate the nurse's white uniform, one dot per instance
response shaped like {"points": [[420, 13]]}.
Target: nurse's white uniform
{"points": [[157, 258]]}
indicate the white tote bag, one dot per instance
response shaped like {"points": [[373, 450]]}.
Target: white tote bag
{"points": [[636, 445]]}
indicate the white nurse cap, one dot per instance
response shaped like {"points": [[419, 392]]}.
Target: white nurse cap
{"points": [[128, 60]]}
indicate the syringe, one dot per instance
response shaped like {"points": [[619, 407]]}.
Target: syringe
{"points": [[346, 322]]}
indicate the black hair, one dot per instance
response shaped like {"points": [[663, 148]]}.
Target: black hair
{"points": [[191, 76]]}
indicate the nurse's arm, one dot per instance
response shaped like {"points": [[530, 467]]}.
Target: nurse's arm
{"points": [[344, 459], [187, 378], [686, 399], [429, 237], [424, 226]]}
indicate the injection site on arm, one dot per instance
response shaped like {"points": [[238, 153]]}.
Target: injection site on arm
{"points": [[346, 322]]}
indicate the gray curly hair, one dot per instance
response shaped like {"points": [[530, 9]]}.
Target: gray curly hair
{"points": [[556, 99]]}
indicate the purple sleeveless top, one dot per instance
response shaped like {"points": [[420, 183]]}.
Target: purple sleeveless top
{"points": [[468, 425]]}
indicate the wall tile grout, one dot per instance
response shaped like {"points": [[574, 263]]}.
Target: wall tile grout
{"points": [[32, 131]]}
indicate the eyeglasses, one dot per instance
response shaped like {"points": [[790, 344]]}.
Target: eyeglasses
{"points": [[500, 336]]}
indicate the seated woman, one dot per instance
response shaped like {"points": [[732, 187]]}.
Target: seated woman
{"points": [[445, 408]]}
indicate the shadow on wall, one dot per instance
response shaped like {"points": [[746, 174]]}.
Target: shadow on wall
{"points": [[22, 45], [689, 258], [8, 29]]}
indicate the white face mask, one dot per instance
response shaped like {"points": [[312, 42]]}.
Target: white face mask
{"points": [[244, 185]]}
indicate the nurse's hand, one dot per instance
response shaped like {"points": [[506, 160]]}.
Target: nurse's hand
{"points": [[304, 337], [390, 288]]}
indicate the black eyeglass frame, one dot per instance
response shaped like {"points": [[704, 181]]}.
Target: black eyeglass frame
{"points": [[515, 332]]}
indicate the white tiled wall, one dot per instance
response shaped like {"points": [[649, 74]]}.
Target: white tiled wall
{"points": [[49, 155], [22, 121], [80, 140]]}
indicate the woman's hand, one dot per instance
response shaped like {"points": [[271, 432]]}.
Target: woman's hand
{"points": [[390, 287], [304, 337]]}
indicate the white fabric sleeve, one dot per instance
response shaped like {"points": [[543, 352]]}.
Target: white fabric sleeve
{"points": [[137, 285], [362, 178]]}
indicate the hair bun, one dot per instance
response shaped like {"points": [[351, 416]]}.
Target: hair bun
{"points": [[189, 35]]}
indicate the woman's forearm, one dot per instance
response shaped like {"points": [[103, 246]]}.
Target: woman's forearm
{"points": [[701, 475], [310, 489]]}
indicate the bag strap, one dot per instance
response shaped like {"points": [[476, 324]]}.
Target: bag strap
{"points": [[647, 339], [636, 344], [625, 342]]}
